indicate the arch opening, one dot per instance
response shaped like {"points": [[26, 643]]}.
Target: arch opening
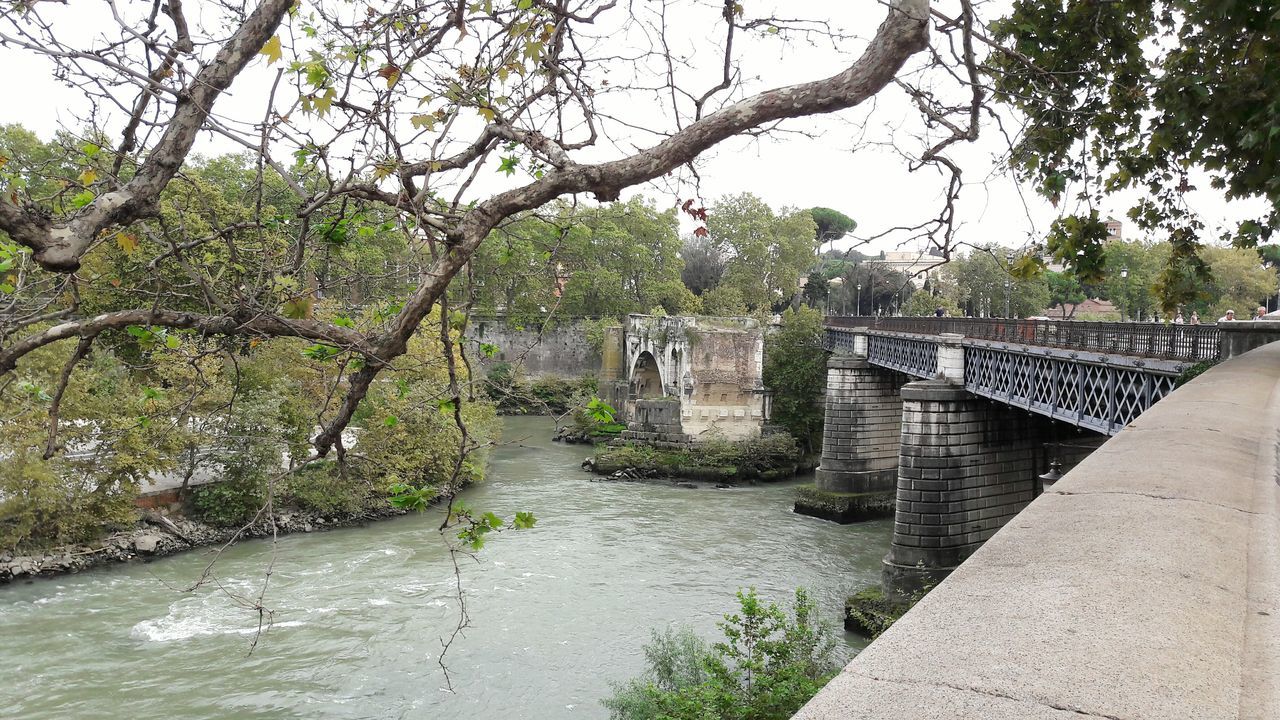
{"points": [[646, 379]]}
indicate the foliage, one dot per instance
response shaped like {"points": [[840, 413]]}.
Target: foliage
{"points": [[321, 488], [983, 284], [724, 301], [924, 304], [871, 611], [1193, 372], [764, 457], [767, 252], [514, 394], [106, 446], [229, 503], [768, 665], [704, 264], [1139, 95], [1064, 289], [795, 369], [831, 224]]}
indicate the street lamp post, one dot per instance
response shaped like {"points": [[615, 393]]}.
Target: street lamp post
{"points": [[1008, 284], [859, 299], [1124, 275], [836, 283]]}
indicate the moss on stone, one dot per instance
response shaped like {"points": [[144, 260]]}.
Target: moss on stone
{"points": [[843, 508], [767, 459], [870, 612]]}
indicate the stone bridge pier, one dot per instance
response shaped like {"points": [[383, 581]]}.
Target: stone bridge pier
{"points": [[966, 466], [862, 425], [949, 466]]}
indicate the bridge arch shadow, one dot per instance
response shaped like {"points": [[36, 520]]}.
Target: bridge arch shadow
{"points": [[646, 378]]}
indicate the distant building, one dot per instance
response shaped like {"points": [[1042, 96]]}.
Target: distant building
{"points": [[915, 265], [1114, 229]]}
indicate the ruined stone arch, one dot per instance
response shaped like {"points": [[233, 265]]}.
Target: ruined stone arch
{"points": [[646, 377]]}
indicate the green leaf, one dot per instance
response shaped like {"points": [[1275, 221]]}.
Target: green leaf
{"points": [[447, 406], [509, 164], [82, 199], [391, 421], [173, 342], [488, 349], [524, 520]]}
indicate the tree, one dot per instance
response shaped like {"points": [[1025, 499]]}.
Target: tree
{"points": [[1064, 289], [386, 120], [925, 304], [816, 288], [983, 284], [704, 264], [766, 253], [1240, 282], [795, 369], [1141, 95], [832, 224], [770, 663]]}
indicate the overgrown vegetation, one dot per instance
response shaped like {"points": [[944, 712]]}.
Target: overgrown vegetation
{"points": [[870, 611], [768, 665], [770, 457], [515, 394], [795, 369]]}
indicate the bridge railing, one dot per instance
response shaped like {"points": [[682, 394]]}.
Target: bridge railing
{"points": [[1174, 342]]}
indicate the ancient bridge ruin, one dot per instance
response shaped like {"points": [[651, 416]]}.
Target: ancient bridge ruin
{"points": [[683, 380]]}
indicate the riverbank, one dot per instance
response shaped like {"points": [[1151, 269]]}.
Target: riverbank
{"points": [[156, 535]]}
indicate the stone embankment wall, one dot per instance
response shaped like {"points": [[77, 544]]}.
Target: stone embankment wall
{"points": [[557, 350], [1144, 584]]}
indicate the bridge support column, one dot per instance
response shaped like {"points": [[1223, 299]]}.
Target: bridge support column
{"points": [[967, 465], [859, 468]]}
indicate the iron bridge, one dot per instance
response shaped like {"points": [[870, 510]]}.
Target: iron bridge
{"points": [[1098, 376]]}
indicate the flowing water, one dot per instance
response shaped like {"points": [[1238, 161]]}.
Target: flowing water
{"points": [[557, 612]]}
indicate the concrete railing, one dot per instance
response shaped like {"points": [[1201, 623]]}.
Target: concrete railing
{"points": [[1144, 584]]}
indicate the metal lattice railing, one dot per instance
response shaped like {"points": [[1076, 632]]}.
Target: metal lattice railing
{"points": [[1192, 343], [911, 356], [1103, 398]]}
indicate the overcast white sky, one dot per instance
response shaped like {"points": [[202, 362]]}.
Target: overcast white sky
{"points": [[819, 167]]}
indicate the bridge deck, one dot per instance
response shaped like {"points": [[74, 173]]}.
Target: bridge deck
{"points": [[1191, 343]]}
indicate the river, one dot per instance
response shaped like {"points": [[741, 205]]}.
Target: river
{"points": [[557, 612]]}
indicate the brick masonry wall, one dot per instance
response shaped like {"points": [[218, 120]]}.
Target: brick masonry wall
{"points": [[862, 420]]}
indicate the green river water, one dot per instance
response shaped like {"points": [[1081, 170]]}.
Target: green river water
{"points": [[557, 612]]}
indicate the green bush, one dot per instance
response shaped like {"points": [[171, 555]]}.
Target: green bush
{"points": [[768, 665], [321, 488], [230, 503]]}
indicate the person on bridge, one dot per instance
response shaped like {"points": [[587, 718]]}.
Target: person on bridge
{"points": [[1195, 317], [1231, 315], [1177, 319], [1260, 313]]}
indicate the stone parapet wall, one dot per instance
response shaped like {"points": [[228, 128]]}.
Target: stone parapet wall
{"points": [[557, 350], [1143, 584]]}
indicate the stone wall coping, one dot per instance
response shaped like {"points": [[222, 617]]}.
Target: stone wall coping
{"points": [[1144, 584], [934, 390], [847, 362]]}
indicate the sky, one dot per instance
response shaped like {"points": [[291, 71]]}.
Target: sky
{"points": [[846, 161]]}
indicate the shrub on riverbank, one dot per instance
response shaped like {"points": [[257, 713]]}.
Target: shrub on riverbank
{"points": [[768, 666], [517, 395], [770, 457]]}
